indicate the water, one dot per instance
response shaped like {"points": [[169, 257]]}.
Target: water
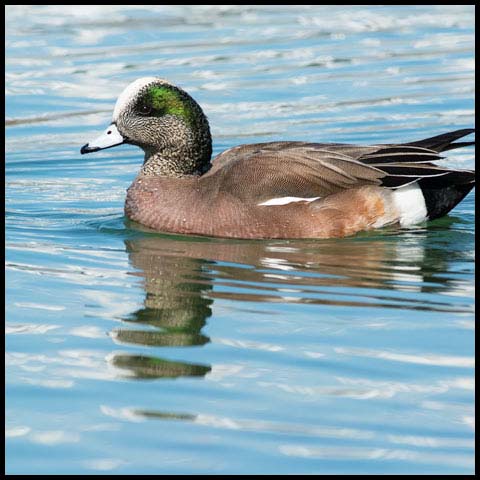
{"points": [[135, 352]]}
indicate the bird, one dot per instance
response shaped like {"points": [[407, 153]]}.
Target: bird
{"points": [[279, 189]]}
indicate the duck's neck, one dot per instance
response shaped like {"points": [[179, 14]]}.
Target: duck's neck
{"points": [[191, 156]]}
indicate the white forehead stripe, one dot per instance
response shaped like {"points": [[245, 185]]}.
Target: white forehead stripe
{"points": [[131, 91], [286, 200]]}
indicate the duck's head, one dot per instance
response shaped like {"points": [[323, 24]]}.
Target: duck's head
{"points": [[163, 120]]}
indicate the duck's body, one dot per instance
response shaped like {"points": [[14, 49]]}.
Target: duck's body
{"points": [[272, 190], [188, 206]]}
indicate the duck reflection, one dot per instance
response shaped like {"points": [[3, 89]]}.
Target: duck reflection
{"points": [[175, 301], [176, 306], [365, 271], [146, 367]]}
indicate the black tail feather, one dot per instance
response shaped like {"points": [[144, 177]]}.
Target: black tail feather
{"points": [[443, 142], [440, 200], [458, 145]]}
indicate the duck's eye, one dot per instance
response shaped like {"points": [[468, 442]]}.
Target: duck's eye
{"points": [[145, 110]]}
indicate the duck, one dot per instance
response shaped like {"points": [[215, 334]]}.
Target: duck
{"points": [[273, 190]]}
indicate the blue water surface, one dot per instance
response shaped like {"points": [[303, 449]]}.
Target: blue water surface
{"points": [[132, 352]]}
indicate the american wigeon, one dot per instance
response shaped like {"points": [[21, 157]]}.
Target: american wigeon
{"points": [[287, 189]]}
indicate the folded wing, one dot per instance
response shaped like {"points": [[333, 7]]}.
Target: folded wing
{"points": [[306, 170]]}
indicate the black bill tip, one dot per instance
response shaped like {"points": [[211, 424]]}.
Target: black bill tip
{"points": [[87, 149]]}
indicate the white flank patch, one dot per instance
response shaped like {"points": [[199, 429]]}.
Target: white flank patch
{"points": [[131, 92], [410, 204], [285, 200]]}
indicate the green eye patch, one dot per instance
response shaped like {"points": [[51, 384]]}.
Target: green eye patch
{"points": [[164, 100]]}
